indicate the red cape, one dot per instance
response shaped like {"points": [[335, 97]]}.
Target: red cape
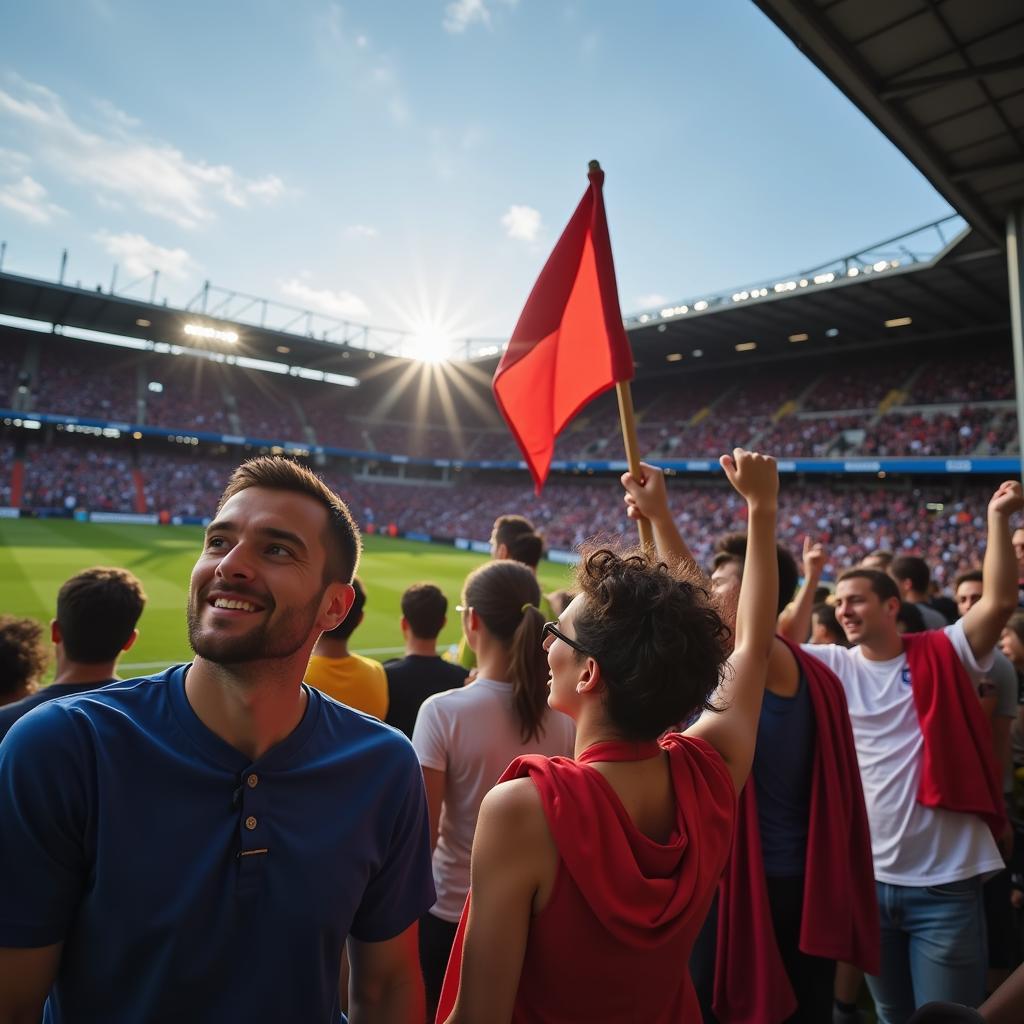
{"points": [[633, 901], [952, 721], [840, 912]]}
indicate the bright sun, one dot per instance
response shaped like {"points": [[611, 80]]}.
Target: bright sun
{"points": [[429, 344]]}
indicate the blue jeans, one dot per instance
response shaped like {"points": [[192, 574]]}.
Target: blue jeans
{"points": [[933, 947]]}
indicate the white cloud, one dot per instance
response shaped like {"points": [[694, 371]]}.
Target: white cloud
{"points": [[343, 304], [651, 300], [12, 162], [138, 256], [460, 14], [522, 223], [361, 231], [27, 198], [121, 165]]}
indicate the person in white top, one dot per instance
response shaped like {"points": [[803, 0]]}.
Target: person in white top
{"points": [[929, 862], [466, 738]]}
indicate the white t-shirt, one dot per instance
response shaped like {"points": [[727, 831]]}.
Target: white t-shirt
{"points": [[911, 844], [472, 734]]}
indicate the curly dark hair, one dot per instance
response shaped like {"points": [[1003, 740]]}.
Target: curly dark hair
{"points": [[24, 655], [657, 636]]}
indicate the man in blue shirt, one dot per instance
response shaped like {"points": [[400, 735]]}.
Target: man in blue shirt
{"points": [[199, 845]]}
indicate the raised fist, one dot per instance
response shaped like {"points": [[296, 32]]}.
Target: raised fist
{"points": [[755, 476], [1007, 499]]}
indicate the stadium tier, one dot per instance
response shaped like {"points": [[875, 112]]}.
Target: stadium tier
{"points": [[944, 521], [953, 403]]}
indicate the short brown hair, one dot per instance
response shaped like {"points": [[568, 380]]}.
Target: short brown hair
{"points": [[971, 576], [276, 473], [424, 607], [97, 610], [882, 584], [23, 654], [912, 568], [523, 542], [733, 548]]}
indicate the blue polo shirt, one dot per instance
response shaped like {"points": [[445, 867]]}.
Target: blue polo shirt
{"points": [[190, 883]]}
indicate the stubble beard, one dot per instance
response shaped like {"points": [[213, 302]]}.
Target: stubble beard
{"points": [[289, 635]]}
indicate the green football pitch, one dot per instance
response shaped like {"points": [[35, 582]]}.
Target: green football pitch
{"points": [[36, 556]]}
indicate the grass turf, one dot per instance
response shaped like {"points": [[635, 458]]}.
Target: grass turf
{"points": [[36, 556]]}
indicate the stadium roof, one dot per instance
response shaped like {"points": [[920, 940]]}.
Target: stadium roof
{"points": [[961, 292], [949, 281], [48, 302], [944, 81]]}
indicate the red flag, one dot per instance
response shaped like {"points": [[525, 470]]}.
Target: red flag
{"points": [[569, 345]]}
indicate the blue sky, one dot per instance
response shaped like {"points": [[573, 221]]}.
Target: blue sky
{"points": [[411, 164]]}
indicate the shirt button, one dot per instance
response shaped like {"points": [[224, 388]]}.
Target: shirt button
{"points": [[252, 780], [250, 823]]}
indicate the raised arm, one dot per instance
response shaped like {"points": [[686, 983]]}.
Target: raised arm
{"points": [[984, 622], [647, 499], [795, 620], [733, 731]]}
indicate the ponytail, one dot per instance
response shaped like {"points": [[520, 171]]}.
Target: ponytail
{"points": [[506, 596], [528, 669]]}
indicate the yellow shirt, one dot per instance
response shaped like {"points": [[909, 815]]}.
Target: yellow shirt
{"points": [[359, 682]]}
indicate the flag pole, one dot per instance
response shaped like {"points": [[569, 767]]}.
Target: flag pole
{"points": [[628, 421]]}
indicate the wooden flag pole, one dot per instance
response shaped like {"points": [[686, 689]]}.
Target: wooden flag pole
{"points": [[628, 421]]}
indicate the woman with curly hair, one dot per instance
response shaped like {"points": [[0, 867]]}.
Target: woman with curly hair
{"points": [[591, 876], [24, 655]]}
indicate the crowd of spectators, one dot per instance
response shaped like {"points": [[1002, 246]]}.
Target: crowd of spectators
{"points": [[6, 471], [266, 407], [943, 523], [859, 385], [943, 408], [942, 433], [68, 381], [191, 395], [11, 353], [964, 379], [80, 476]]}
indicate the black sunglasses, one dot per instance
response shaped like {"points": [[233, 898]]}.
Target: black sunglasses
{"points": [[551, 629]]}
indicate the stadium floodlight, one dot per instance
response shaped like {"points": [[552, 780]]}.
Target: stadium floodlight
{"points": [[798, 337], [701, 305], [697, 353], [746, 346], [211, 333], [899, 321], [881, 265], [673, 357], [832, 332], [853, 272], [824, 278], [283, 349], [143, 323], [155, 386], [342, 379]]}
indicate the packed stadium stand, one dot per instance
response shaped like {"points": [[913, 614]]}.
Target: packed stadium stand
{"points": [[146, 420]]}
